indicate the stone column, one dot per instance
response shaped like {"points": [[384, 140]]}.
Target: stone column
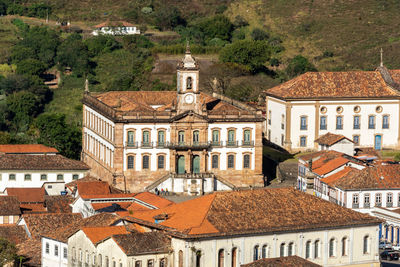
{"points": [[316, 124], [288, 140]]}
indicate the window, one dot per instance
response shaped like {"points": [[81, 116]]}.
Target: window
{"points": [[283, 122], [231, 161], [145, 163], [28, 177], [161, 159], [107, 262], [378, 200], [344, 246], [282, 250], [269, 117], [366, 244], [303, 123], [290, 249], [356, 122], [282, 140], [214, 163], [303, 141], [47, 248], [308, 249], [138, 263], [389, 200], [55, 250], [189, 83], [231, 137], [371, 122], [60, 177], [264, 252], [114, 264], [246, 161], [332, 247], [356, 139], [146, 138], [131, 138], [385, 122], [163, 262], [322, 124], [316, 249], [181, 137], [161, 138], [339, 123], [196, 138], [247, 137], [255, 253], [65, 253], [43, 177], [355, 200], [131, 161], [215, 137], [11, 177], [366, 201], [75, 177], [221, 258]]}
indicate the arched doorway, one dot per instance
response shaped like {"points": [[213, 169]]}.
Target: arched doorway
{"points": [[181, 165], [196, 164]]}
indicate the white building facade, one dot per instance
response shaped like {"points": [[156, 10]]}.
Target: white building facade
{"points": [[362, 106]]}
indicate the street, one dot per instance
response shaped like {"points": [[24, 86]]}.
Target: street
{"points": [[390, 263]]}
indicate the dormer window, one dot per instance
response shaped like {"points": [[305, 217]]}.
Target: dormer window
{"points": [[189, 83]]}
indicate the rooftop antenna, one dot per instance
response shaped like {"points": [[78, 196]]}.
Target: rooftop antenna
{"points": [[381, 57]]}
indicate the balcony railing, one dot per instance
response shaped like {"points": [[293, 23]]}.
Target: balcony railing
{"points": [[355, 205], [146, 144], [216, 143], [378, 204], [356, 126], [303, 127], [371, 126], [232, 143], [132, 144], [389, 204], [161, 144], [339, 126], [367, 205], [185, 145], [247, 143], [323, 127], [385, 126]]}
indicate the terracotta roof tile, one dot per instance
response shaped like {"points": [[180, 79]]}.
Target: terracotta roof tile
{"points": [[143, 243], [350, 84], [254, 211], [330, 139], [13, 233], [114, 24], [31, 249], [291, 261], [27, 195], [93, 188], [26, 149], [153, 199], [98, 206], [39, 162], [58, 204], [97, 234], [109, 196], [379, 176], [9, 205], [336, 176], [325, 168]]}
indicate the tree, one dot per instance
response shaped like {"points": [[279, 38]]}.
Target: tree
{"points": [[252, 54], [98, 45], [73, 53], [397, 157], [22, 107], [31, 66], [259, 35], [217, 26], [167, 18], [299, 65], [8, 252], [122, 70], [222, 75], [53, 131]]}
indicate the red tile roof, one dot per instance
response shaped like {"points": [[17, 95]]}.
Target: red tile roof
{"points": [[98, 206], [252, 211], [13, 233], [28, 195], [330, 139], [143, 243], [92, 188], [114, 24], [325, 168], [153, 199], [27, 149], [9, 205], [291, 261], [108, 196], [350, 84], [336, 176], [97, 234], [39, 162]]}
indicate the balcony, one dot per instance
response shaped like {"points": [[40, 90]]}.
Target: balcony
{"points": [[216, 143], [131, 144], [323, 127], [339, 126], [356, 126], [188, 145], [378, 204], [367, 205], [389, 204], [385, 126], [146, 144], [247, 143], [232, 144], [161, 145], [303, 127], [371, 126], [355, 206]]}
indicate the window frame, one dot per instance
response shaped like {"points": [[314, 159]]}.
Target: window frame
{"points": [[371, 126], [12, 177], [217, 155], [159, 156], [358, 137], [43, 175], [161, 133], [387, 125], [181, 137], [305, 141], [60, 176], [339, 126], [228, 156], [246, 155], [196, 135], [356, 126], [247, 132], [303, 127], [27, 177], [321, 125], [146, 156], [130, 165]]}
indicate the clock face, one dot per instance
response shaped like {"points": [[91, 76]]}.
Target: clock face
{"points": [[189, 99]]}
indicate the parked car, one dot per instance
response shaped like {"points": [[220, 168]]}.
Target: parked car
{"points": [[385, 245], [396, 247], [389, 255]]}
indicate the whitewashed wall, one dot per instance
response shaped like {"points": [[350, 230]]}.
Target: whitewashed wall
{"points": [[50, 259]]}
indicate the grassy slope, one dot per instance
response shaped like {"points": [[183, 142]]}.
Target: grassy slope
{"points": [[8, 38], [353, 30]]}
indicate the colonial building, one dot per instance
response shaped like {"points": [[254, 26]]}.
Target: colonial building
{"points": [[183, 141], [115, 28], [234, 228], [364, 106]]}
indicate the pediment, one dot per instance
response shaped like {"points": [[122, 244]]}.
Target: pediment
{"points": [[190, 116]]}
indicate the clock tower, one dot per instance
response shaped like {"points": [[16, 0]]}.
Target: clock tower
{"points": [[188, 84]]}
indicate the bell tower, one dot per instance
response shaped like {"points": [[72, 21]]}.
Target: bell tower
{"points": [[188, 83]]}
